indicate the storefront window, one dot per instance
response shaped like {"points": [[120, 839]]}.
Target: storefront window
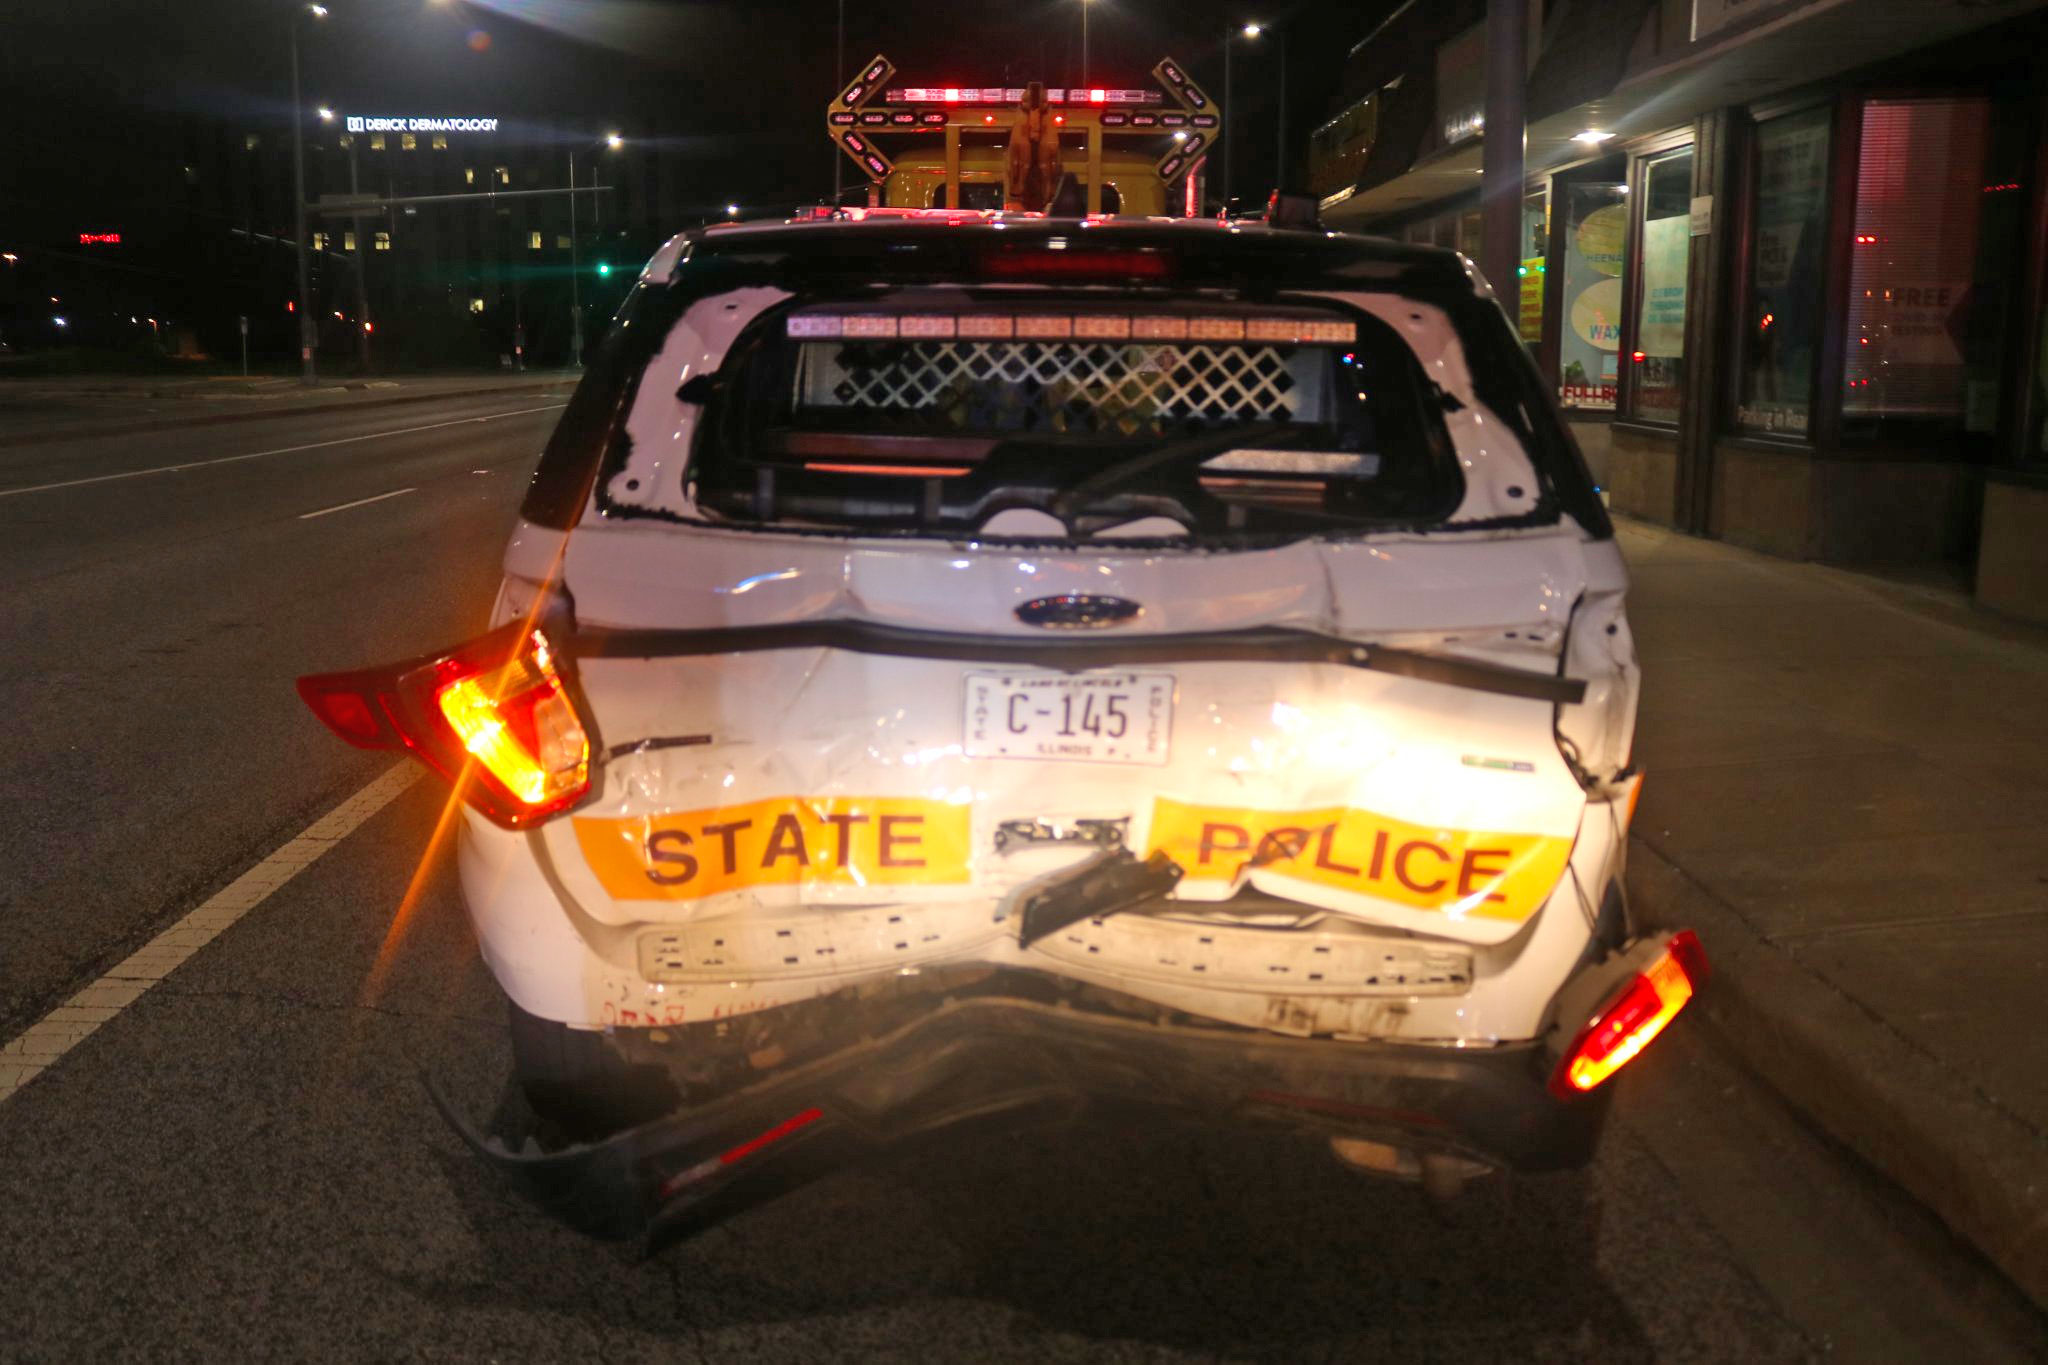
{"points": [[1470, 232], [1937, 209], [1535, 250], [1782, 324], [1596, 223], [1657, 365]]}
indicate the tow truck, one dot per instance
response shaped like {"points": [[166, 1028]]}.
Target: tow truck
{"points": [[1136, 151]]}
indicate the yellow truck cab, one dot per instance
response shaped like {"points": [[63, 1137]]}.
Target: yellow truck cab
{"points": [[1134, 152]]}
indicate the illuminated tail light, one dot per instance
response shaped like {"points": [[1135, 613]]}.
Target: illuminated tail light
{"points": [[496, 717], [1049, 264], [1632, 1016]]}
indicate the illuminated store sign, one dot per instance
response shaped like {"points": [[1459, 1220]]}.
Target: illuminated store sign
{"points": [[99, 239], [358, 124]]}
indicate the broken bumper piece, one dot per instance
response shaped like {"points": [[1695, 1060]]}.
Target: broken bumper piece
{"points": [[1004, 1063]]}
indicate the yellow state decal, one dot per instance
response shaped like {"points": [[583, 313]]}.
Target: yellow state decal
{"points": [[1456, 872], [852, 840]]}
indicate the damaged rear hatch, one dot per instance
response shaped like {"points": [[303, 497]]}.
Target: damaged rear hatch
{"points": [[897, 597]]}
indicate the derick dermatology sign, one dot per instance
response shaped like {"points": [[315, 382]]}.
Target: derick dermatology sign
{"points": [[358, 124]]}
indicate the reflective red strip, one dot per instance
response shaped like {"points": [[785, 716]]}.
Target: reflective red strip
{"points": [[908, 471], [775, 1134]]}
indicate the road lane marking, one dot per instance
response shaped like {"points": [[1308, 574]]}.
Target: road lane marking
{"points": [[261, 454], [25, 1057], [359, 502]]}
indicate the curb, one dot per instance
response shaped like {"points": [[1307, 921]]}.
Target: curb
{"points": [[1980, 1169], [218, 418]]}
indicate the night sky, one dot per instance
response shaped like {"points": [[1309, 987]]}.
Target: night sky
{"points": [[741, 86]]}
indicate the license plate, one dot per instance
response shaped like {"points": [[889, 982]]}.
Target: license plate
{"points": [[1086, 718]]}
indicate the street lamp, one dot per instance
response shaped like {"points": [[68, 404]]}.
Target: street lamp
{"points": [[307, 336], [326, 114], [1084, 44], [611, 142], [732, 210], [1249, 31]]}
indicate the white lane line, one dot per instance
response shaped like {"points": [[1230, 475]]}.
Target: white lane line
{"points": [[359, 502], [23, 1058], [261, 454]]}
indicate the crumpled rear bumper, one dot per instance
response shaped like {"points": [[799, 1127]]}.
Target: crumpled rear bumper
{"points": [[1000, 1062]]}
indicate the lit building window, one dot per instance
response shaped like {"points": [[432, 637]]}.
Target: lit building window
{"points": [[407, 142], [383, 241], [504, 175], [319, 241], [561, 241], [469, 175], [376, 142], [476, 305], [533, 241], [348, 241], [250, 142], [440, 142]]}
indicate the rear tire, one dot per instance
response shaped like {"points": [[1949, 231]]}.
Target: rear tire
{"points": [[580, 1082]]}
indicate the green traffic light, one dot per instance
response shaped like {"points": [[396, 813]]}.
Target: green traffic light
{"points": [[604, 267]]}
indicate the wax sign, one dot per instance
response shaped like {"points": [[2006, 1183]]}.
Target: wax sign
{"points": [[1596, 315]]}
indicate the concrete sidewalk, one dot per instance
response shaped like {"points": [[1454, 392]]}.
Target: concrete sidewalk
{"points": [[1847, 794], [75, 406]]}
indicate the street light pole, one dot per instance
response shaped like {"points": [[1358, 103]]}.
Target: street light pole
{"points": [[839, 77], [307, 335], [1280, 167], [1229, 38], [1084, 44], [612, 141], [1227, 103], [362, 281], [575, 273]]}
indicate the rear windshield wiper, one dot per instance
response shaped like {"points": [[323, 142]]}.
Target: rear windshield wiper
{"points": [[1107, 480]]}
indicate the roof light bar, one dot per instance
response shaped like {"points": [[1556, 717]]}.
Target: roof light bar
{"points": [[1092, 326], [1013, 94]]}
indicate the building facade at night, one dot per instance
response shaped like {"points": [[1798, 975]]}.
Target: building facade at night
{"points": [[1783, 260], [174, 227]]}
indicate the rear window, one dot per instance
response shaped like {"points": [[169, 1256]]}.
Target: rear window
{"points": [[946, 415]]}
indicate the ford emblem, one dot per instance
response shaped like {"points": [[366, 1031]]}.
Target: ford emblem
{"points": [[1078, 611]]}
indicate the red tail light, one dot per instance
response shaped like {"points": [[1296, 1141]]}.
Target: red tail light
{"points": [[497, 717], [1068, 265], [1632, 1016]]}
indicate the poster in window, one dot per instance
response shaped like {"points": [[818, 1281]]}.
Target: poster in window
{"points": [[1589, 345], [1664, 254], [1783, 327]]}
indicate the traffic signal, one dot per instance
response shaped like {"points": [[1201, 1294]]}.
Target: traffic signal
{"points": [[604, 267]]}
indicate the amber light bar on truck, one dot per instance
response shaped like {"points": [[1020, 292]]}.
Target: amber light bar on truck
{"points": [[495, 717], [1014, 95]]}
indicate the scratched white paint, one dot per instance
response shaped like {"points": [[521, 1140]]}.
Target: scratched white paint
{"points": [[25, 1057]]}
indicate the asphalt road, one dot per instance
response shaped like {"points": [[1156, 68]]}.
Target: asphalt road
{"points": [[244, 1162]]}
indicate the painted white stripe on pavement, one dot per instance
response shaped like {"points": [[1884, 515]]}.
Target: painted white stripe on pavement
{"points": [[359, 502], [63, 1028], [261, 454]]}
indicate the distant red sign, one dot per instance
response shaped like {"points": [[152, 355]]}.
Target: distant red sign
{"points": [[99, 239]]}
